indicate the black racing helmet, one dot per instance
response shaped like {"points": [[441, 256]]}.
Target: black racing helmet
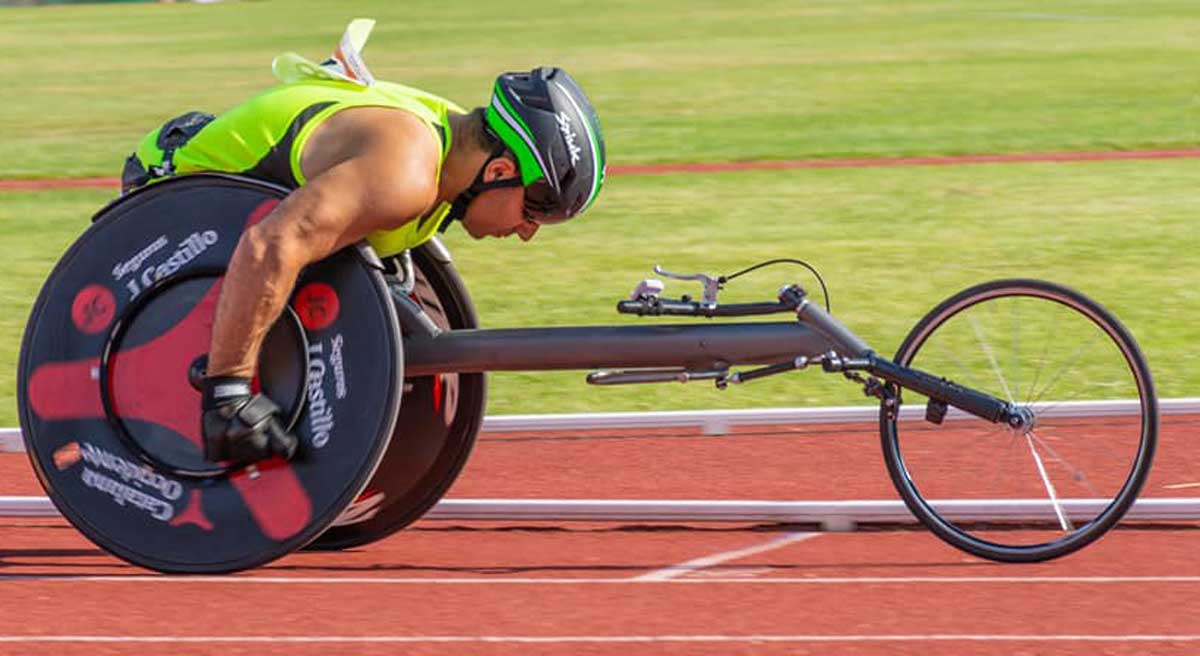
{"points": [[547, 122]]}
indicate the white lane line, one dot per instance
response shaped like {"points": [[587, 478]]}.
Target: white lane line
{"points": [[383, 580], [681, 569], [607, 639], [1062, 518]]}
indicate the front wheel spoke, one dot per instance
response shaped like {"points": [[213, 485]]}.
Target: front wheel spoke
{"points": [[991, 356], [1002, 474], [1114, 391], [1067, 365], [1076, 473], [1063, 520], [1104, 449], [944, 353], [1037, 373], [1016, 349]]}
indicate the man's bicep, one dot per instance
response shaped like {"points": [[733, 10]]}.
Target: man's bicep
{"points": [[323, 215]]}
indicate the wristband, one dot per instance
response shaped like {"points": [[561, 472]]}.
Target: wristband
{"points": [[218, 390]]}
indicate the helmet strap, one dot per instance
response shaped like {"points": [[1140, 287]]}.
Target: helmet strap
{"points": [[459, 207]]}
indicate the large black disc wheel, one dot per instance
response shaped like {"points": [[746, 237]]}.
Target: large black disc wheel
{"points": [[108, 384]]}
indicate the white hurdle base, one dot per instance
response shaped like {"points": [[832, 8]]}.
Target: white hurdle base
{"points": [[801, 512], [719, 422], [716, 422], [826, 513]]}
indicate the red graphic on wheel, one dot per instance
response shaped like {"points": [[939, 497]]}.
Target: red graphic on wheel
{"points": [[67, 455], [275, 497], [317, 304], [193, 514], [93, 309]]}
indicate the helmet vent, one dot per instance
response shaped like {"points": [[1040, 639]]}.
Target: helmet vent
{"points": [[537, 101]]}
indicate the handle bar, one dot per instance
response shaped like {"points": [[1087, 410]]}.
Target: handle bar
{"points": [[654, 306]]}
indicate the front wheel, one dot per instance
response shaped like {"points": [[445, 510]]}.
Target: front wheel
{"points": [[1045, 491]]}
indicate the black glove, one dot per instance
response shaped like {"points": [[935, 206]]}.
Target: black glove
{"points": [[239, 426]]}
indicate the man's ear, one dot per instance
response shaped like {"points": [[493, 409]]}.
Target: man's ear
{"points": [[499, 169]]}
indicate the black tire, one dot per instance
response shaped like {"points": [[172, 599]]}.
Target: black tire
{"points": [[971, 463], [427, 451]]}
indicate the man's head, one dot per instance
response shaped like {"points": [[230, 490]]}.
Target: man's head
{"points": [[500, 210], [547, 159]]}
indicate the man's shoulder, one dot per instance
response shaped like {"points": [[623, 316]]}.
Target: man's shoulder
{"points": [[397, 122], [394, 130], [390, 139], [400, 158], [404, 143]]}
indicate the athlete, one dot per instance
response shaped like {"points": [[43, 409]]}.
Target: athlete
{"points": [[367, 160]]}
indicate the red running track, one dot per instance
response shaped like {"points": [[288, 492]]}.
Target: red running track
{"points": [[666, 168], [560, 589]]}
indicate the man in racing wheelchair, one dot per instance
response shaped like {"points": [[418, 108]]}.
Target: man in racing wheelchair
{"points": [[370, 160]]}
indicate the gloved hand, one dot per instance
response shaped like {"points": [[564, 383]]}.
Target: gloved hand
{"points": [[239, 426]]}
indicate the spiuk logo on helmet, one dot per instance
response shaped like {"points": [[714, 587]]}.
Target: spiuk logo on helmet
{"points": [[564, 126]]}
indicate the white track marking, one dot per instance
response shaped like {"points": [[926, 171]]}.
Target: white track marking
{"points": [[1062, 518], [1076, 473], [500, 639], [681, 569], [362, 580]]}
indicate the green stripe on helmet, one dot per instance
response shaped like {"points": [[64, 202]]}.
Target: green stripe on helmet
{"points": [[527, 158], [527, 137], [498, 94]]}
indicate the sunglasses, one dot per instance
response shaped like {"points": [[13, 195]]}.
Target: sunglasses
{"points": [[542, 204]]}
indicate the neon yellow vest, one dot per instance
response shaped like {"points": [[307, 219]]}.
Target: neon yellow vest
{"points": [[265, 136]]}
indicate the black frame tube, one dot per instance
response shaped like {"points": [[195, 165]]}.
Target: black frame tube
{"points": [[833, 330], [691, 346], [979, 404]]}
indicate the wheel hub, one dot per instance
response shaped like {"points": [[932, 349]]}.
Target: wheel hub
{"points": [[1020, 419]]}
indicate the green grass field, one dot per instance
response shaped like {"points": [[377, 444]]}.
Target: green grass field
{"points": [[680, 81], [673, 80]]}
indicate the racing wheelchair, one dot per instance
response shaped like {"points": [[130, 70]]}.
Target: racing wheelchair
{"points": [[379, 365]]}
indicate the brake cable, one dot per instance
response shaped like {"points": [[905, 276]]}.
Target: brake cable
{"points": [[784, 260]]}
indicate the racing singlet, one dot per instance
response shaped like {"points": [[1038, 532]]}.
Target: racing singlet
{"points": [[264, 137]]}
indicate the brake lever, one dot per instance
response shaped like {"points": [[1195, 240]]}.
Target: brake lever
{"points": [[648, 288], [711, 285]]}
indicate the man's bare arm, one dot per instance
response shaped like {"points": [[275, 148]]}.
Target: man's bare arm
{"points": [[389, 182]]}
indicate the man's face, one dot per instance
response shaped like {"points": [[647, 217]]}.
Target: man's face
{"points": [[499, 212]]}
